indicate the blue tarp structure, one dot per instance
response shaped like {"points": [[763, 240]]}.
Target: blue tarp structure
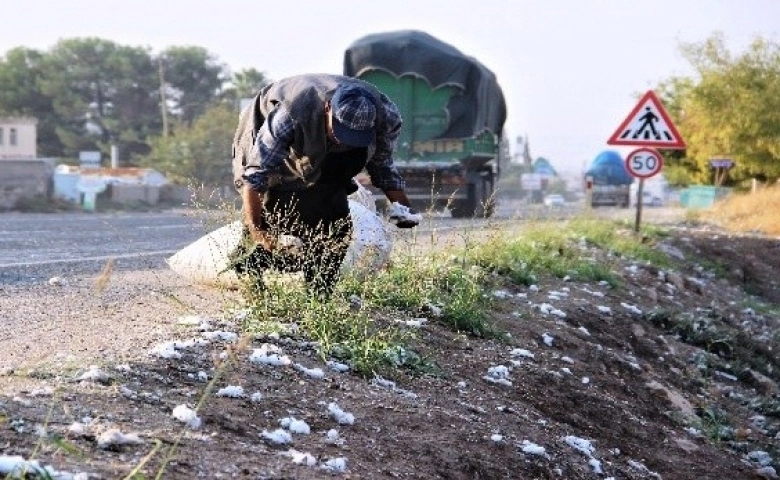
{"points": [[542, 166], [609, 168]]}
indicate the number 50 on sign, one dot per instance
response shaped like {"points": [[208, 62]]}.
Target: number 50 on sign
{"points": [[644, 162]]}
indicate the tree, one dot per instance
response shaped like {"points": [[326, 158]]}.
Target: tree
{"points": [[731, 110], [103, 94], [245, 84], [200, 153], [192, 79], [20, 76]]}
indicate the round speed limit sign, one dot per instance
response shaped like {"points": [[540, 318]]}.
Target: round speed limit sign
{"points": [[644, 162]]}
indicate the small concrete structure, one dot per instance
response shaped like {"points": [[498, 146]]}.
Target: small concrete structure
{"points": [[126, 185], [24, 178]]}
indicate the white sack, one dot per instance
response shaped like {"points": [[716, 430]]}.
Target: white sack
{"points": [[371, 244], [202, 261]]}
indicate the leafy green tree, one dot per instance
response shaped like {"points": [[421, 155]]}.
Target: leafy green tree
{"points": [[200, 153], [732, 109], [192, 80], [103, 94], [20, 76], [245, 84]]}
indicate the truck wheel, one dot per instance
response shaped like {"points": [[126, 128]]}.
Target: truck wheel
{"points": [[461, 209], [489, 208], [477, 205]]}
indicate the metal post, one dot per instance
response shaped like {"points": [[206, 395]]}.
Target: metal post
{"points": [[640, 189]]}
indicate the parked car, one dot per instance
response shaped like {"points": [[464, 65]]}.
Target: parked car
{"points": [[554, 200], [649, 199]]}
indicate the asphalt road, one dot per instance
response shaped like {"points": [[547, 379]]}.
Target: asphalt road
{"points": [[41, 246], [35, 246]]}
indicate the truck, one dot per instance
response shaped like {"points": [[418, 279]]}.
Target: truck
{"points": [[453, 112], [607, 181]]}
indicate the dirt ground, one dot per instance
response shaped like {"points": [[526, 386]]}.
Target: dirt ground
{"points": [[673, 375]]}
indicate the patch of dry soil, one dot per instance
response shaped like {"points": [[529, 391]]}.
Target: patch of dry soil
{"points": [[673, 375]]}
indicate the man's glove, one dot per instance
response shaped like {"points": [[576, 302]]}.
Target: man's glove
{"points": [[403, 216]]}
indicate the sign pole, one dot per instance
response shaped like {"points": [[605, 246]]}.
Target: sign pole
{"points": [[639, 191], [643, 163]]}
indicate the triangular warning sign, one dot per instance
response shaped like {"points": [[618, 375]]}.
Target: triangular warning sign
{"points": [[648, 125]]}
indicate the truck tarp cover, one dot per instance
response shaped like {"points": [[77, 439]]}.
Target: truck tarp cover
{"points": [[609, 168], [411, 52]]}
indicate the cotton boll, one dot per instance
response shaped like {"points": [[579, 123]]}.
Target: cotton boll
{"points": [[337, 366], [277, 437], [15, 464], [310, 372], [188, 416], [232, 391], [300, 458], [77, 429], [580, 444], [220, 336], [595, 465], [335, 465], [498, 371], [95, 374], [333, 437], [498, 374], [114, 438], [631, 308], [532, 448], [165, 350], [300, 427], [295, 426], [273, 359], [521, 352], [384, 383], [342, 417]]}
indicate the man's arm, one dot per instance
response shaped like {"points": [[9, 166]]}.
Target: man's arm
{"points": [[398, 196], [254, 220], [381, 169], [270, 150]]}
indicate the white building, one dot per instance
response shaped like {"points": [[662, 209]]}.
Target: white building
{"points": [[18, 138]]}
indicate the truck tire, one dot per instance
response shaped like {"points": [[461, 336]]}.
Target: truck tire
{"points": [[461, 209], [480, 202]]}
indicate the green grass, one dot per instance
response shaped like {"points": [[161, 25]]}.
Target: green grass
{"points": [[563, 250], [451, 286]]}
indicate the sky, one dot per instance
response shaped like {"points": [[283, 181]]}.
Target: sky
{"points": [[571, 70]]}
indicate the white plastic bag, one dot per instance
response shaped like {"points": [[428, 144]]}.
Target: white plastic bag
{"points": [[364, 197], [206, 260], [371, 244], [202, 261]]}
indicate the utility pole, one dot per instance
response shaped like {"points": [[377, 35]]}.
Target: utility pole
{"points": [[163, 102]]}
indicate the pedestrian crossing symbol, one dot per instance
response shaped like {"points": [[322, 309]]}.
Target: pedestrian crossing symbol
{"points": [[648, 125]]}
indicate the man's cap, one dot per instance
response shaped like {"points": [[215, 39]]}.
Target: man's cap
{"points": [[354, 114]]}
